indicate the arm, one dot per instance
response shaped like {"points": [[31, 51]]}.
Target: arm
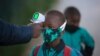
{"points": [[12, 34], [89, 43]]}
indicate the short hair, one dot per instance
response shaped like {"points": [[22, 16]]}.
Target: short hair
{"points": [[57, 13], [72, 11]]}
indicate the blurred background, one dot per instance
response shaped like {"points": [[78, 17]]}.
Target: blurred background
{"points": [[20, 12]]}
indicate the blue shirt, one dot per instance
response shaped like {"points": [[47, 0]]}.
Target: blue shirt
{"points": [[52, 51], [75, 40]]}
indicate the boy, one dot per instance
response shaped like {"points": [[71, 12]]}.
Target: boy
{"points": [[53, 44], [74, 35]]}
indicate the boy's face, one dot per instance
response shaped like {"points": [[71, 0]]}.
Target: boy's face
{"points": [[73, 20], [52, 23]]}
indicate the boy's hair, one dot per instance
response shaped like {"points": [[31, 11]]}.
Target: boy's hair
{"points": [[57, 13], [73, 12]]}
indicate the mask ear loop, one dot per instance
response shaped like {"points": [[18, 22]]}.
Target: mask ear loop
{"points": [[62, 27]]}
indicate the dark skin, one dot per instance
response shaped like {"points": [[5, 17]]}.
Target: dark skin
{"points": [[73, 20], [52, 21], [37, 29]]}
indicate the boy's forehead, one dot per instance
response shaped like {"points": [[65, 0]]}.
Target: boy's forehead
{"points": [[52, 20]]}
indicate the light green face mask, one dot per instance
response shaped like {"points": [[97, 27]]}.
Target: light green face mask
{"points": [[51, 34]]}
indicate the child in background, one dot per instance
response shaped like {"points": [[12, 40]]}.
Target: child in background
{"points": [[74, 35]]}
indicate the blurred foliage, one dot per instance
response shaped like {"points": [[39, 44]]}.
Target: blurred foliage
{"points": [[20, 12]]}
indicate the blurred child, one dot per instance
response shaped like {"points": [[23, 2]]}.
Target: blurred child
{"points": [[74, 35]]}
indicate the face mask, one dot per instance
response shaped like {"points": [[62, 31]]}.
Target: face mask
{"points": [[50, 34]]}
